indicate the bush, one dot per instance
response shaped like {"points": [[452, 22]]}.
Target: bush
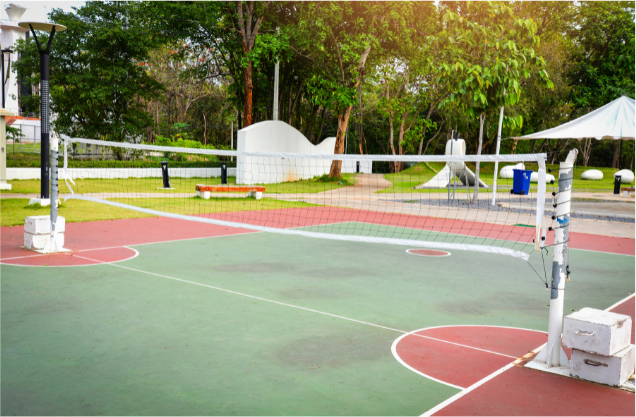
{"points": [[18, 160]]}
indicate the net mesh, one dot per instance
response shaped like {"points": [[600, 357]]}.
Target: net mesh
{"points": [[420, 201]]}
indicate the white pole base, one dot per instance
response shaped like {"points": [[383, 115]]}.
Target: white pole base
{"points": [[38, 236], [540, 363], [44, 202], [5, 186]]}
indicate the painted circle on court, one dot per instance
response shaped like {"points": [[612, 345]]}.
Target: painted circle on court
{"points": [[84, 257], [428, 252]]}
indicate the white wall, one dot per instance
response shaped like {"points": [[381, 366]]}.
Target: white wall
{"points": [[277, 136], [79, 173]]}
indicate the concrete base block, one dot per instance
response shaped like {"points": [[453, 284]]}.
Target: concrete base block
{"points": [[44, 202], [597, 331], [612, 370], [40, 242], [256, 194], [41, 225], [5, 186]]}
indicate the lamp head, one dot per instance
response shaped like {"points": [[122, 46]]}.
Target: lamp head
{"points": [[47, 27]]}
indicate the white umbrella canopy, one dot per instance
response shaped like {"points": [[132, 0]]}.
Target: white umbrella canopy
{"points": [[614, 120]]}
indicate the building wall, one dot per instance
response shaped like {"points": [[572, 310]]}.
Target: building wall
{"points": [[277, 136]]}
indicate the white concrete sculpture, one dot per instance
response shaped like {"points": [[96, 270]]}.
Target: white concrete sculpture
{"points": [[507, 171], [592, 174], [627, 176], [534, 177], [277, 136], [453, 169], [11, 32]]}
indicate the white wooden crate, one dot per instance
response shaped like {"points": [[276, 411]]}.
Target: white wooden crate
{"points": [[597, 331], [610, 370]]}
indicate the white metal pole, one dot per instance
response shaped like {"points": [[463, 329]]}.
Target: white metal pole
{"points": [[275, 117], [494, 186], [232, 138], [552, 354]]}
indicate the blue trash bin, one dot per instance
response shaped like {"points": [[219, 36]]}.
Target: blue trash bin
{"points": [[521, 181]]}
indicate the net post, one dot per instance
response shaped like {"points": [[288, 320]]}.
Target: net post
{"points": [[494, 185], [552, 355]]}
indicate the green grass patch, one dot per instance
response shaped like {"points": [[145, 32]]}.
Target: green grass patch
{"points": [[180, 185], [15, 210], [403, 182]]}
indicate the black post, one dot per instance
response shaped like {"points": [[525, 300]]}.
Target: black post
{"points": [[164, 174], [620, 154], [44, 123], [357, 166], [223, 173], [3, 103], [617, 184], [44, 113]]}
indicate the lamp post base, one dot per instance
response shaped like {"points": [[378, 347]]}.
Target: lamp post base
{"points": [[44, 202]]}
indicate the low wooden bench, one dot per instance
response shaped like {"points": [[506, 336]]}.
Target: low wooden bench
{"points": [[204, 191], [627, 191]]}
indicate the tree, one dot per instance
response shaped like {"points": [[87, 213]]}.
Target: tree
{"points": [[339, 37], [97, 85], [487, 51], [230, 28]]}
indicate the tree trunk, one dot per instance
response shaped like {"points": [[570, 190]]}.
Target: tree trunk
{"points": [[616, 154], [482, 118], [428, 117], [293, 106], [399, 166], [249, 87], [343, 120]]}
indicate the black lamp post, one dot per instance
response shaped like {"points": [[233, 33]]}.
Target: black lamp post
{"points": [[44, 104], [44, 128], [5, 51]]}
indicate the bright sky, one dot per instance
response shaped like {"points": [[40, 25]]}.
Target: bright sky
{"points": [[37, 11]]}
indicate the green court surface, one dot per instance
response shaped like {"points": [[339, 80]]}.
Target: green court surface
{"points": [[261, 324]]}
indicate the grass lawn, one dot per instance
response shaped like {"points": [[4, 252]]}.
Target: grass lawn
{"points": [[180, 185], [13, 211], [420, 173]]}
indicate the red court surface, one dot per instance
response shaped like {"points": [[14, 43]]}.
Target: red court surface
{"points": [[109, 236], [478, 359], [128, 232], [463, 355]]}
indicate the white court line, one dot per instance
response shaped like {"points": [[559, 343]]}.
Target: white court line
{"points": [[243, 231], [127, 246], [619, 303], [600, 251], [136, 254], [476, 385], [291, 305], [399, 359], [500, 371]]}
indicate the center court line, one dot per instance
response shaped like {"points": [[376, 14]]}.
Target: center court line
{"points": [[291, 305]]}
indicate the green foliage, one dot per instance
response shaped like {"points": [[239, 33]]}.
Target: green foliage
{"points": [[604, 54], [96, 82], [14, 134], [20, 160], [489, 50]]}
